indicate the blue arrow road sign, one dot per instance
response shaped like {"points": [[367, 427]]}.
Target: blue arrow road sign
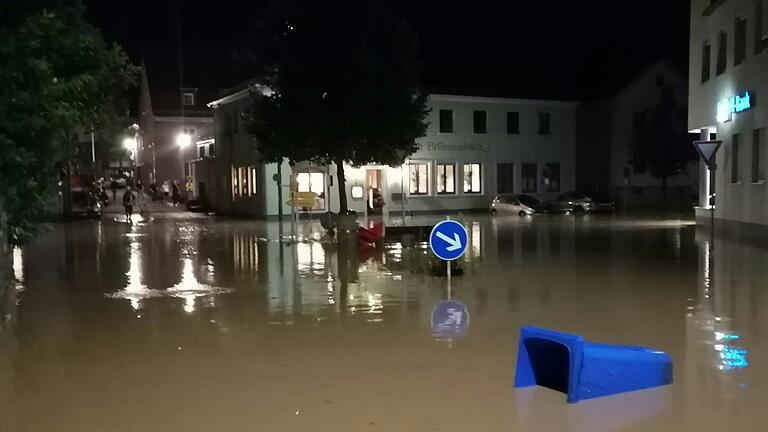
{"points": [[448, 240]]}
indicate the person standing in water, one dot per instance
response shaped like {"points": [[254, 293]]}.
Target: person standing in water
{"points": [[128, 201]]}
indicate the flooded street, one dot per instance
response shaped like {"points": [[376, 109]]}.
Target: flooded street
{"points": [[215, 325]]}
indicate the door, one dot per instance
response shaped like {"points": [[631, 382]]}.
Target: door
{"points": [[374, 185]]}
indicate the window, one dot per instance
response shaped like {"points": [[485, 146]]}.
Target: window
{"points": [[201, 152], [758, 156], [544, 119], [252, 178], [530, 177], [311, 182], [446, 121], [552, 177], [188, 98], [735, 159], [212, 149], [243, 175], [419, 174], [472, 178], [740, 44], [706, 58], [505, 178], [513, 123], [235, 184], [479, 125], [722, 52], [446, 178], [761, 26]]}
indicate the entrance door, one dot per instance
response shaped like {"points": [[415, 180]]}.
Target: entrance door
{"points": [[505, 179], [374, 185]]}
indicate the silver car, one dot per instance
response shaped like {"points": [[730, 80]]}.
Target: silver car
{"points": [[522, 205]]}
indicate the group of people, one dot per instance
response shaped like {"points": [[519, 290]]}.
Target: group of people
{"points": [[169, 194]]}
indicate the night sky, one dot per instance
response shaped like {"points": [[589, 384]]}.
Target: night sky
{"points": [[546, 49]]}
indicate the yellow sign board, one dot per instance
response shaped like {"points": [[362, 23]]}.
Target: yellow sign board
{"points": [[302, 199]]}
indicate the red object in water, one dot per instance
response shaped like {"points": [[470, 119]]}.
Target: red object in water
{"points": [[371, 235]]}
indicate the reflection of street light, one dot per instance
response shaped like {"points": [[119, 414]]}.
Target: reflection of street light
{"points": [[183, 139]]}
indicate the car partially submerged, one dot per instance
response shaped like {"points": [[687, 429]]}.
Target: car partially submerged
{"points": [[520, 204]]}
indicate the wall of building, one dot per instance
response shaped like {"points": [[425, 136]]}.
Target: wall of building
{"points": [[742, 201]]}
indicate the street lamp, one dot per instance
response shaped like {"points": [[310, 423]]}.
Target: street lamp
{"points": [[183, 139], [130, 144]]}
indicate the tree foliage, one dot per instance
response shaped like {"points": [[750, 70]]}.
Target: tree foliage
{"points": [[660, 137], [345, 85], [60, 78]]}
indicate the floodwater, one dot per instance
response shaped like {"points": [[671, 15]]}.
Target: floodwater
{"points": [[215, 325]]}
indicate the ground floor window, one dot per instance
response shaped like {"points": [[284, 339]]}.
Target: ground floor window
{"points": [[311, 182], [552, 177], [446, 180], [242, 174], [529, 177], [472, 178], [735, 177], [235, 183], [758, 154], [505, 180], [419, 178], [252, 178]]}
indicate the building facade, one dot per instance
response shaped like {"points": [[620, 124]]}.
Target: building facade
{"points": [[475, 148], [728, 77], [172, 120], [605, 144]]}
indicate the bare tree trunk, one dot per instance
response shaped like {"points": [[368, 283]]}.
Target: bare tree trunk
{"points": [[342, 186]]}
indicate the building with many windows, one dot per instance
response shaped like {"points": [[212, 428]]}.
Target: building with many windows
{"points": [[475, 147], [728, 78]]}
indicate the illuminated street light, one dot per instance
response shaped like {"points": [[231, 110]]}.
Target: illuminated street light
{"points": [[130, 144], [183, 139]]}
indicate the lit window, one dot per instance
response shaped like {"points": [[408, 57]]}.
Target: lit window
{"points": [[446, 179], [243, 176], [252, 175], [189, 98], [472, 178], [419, 174], [235, 183], [311, 182]]}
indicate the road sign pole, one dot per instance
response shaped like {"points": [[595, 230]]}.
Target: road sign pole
{"points": [[448, 271]]}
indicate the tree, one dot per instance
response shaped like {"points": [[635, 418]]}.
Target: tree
{"points": [[660, 137], [345, 86], [60, 79]]}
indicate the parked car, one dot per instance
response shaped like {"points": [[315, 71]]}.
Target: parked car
{"points": [[578, 204], [522, 205]]}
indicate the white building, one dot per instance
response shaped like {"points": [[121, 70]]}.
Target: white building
{"points": [[475, 147], [728, 76]]}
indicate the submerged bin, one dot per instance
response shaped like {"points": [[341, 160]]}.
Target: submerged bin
{"points": [[585, 370]]}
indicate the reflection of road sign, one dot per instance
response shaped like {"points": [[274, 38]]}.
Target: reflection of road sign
{"points": [[707, 150], [450, 319], [302, 199], [448, 240]]}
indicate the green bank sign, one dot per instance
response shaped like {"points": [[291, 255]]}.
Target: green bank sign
{"points": [[728, 107]]}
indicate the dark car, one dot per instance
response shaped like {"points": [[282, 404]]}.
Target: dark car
{"points": [[578, 204]]}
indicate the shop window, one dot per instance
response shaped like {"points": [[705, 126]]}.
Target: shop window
{"points": [[722, 52], [740, 42], [479, 122], [446, 179], [235, 183], [513, 123], [552, 177], [252, 178], [419, 178], [735, 177], [311, 182], [243, 176], [758, 154], [446, 121], [544, 123], [472, 178], [706, 59], [529, 177]]}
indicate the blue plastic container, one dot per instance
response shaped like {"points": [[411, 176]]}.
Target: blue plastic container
{"points": [[585, 370]]}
